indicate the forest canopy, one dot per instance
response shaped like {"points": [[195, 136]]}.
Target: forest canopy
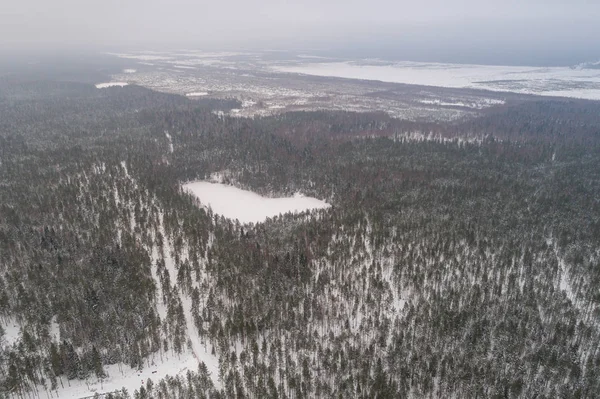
{"points": [[459, 259]]}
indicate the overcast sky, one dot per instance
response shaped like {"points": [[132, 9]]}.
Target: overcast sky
{"points": [[418, 26]]}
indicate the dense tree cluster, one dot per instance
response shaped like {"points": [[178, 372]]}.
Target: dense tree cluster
{"points": [[457, 260]]}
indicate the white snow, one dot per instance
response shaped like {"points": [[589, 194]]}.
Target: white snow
{"points": [[555, 81], [120, 376], [200, 348], [476, 104], [246, 206], [129, 70], [55, 330], [248, 103], [170, 141], [12, 332], [197, 94], [110, 84]]}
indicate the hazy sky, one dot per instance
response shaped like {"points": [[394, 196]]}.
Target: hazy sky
{"points": [[419, 26]]}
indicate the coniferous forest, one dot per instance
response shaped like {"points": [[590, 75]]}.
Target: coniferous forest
{"points": [[458, 259]]}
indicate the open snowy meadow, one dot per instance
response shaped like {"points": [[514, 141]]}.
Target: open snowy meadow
{"points": [[246, 206]]}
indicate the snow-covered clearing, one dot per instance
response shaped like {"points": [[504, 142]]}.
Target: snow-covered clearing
{"points": [[12, 332], [551, 81], [197, 94], [121, 376], [55, 330], [111, 84], [156, 367], [246, 206]]}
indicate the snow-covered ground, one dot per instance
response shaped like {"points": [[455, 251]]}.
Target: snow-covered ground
{"points": [[476, 104], [111, 84], [246, 206], [156, 367], [12, 332], [197, 94], [551, 81], [122, 376], [200, 348], [170, 141]]}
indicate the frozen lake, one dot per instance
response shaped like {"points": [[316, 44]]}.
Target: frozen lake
{"points": [[549, 81], [246, 206]]}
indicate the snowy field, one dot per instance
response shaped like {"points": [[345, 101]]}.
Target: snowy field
{"points": [[122, 376], [246, 206], [550, 81], [197, 94], [111, 84], [12, 332]]}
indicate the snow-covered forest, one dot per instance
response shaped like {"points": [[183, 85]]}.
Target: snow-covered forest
{"points": [[457, 260]]}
